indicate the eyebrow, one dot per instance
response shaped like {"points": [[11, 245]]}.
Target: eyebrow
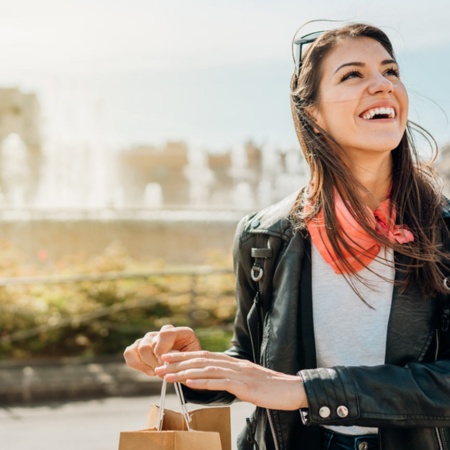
{"points": [[385, 62]]}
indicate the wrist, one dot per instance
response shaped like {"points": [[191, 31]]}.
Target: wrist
{"points": [[297, 393]]}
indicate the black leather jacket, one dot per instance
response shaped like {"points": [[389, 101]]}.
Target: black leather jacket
{"points": [[407, 398]]}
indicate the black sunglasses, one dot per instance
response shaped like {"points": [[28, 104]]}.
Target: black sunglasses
{"points": [[298, 48]]}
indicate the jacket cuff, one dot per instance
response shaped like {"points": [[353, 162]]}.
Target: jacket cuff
{"points": [[331, 395]]}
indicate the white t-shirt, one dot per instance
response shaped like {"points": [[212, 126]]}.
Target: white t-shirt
{"points": [[347, 332]]}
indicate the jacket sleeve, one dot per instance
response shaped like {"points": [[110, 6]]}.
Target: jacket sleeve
{"points": [[416, 395]]}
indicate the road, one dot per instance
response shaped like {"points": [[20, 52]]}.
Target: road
{"points": [[86, 425]]}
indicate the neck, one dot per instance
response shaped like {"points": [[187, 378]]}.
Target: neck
{"points": [[374, 172]]}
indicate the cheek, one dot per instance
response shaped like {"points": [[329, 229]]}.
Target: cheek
{"points": [[406, 106], [402, 95]]}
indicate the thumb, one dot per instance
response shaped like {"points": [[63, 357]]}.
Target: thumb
{"points": [[175, 338]]}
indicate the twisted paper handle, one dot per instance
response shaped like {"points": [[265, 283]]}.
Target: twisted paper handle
{"points": [[162, 401]]}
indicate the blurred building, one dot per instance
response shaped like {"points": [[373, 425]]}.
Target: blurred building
{"points": [[74, 168], [245, 177], [152, 176], [221, 185]]}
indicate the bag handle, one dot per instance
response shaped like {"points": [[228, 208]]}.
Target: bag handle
{"points": [[162, 401]]}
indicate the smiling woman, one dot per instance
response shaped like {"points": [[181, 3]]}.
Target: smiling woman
{"points": [[341, 335]]}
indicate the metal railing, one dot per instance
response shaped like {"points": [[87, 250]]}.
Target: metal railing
{"points": [[109, 276]]}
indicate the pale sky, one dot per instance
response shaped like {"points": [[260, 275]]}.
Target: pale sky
{"points": [[212, 73]]}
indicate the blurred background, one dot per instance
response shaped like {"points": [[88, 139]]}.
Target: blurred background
{"points": [[133, 136]]}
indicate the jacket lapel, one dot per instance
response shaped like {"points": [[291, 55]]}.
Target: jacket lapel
{"points": [[411, 327]]}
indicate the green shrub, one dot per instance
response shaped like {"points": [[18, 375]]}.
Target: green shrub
{"points": [[100, 318]]}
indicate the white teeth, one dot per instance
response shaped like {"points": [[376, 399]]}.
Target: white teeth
{"points": [[390, 112]]}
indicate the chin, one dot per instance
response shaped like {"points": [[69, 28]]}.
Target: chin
{"points": [[382, 145]]}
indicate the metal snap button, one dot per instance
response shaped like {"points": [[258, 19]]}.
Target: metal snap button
{"points": [[342, 411], [363, 445], [324, 412], [255, 223], [446, 283]]}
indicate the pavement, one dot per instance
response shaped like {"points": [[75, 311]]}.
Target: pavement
{"points": [[74, 404], [88, 424], [34, 382]]}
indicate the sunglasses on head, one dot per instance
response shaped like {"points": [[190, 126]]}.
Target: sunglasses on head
{"points": [[299, 45]]}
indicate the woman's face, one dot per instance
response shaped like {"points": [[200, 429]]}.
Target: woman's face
{"points": [[362, 102]]}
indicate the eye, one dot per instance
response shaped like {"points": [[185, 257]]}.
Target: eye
{"points": [[392, 72], [352, 74]]}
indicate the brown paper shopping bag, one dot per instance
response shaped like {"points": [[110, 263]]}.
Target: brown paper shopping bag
{"points": [[165, 440], [202, 429], [204, 419]]}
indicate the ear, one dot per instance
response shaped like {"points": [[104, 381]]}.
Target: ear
{"points": [[314, 113]]}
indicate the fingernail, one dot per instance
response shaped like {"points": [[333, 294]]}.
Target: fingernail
{"points": [[150, 372]]}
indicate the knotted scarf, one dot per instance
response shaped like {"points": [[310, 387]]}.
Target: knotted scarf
{"points": [[364, 247]]}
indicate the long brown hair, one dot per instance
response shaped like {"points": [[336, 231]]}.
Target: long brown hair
{"points": [[415, 192]]}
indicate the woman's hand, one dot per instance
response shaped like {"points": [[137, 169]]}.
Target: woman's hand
{"points": [[145, 353], [247, 381]]}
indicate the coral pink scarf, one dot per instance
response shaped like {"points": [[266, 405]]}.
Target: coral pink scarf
{"points": [[364, 246]]}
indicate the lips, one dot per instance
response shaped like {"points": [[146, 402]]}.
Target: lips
{"points": [[386, 112]]}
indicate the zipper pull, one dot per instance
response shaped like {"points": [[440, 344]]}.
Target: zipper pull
{"points": [[250, 431]]}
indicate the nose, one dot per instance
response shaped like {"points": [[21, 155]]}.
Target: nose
{"points": [[380, 84]]}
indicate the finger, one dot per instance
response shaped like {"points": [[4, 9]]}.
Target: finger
{"points": [[217, 384], [134, 360], [165, 340], [210, 372], [146, 350], [150, 345], [171, 358], [175, 338], [177, 362], [204, 363]]}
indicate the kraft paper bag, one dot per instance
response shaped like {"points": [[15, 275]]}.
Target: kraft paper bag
{"points": [[202, 429], [204, 419], [164, 440]]}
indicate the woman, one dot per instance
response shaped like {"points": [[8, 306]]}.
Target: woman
{"points": [[353, 348]]}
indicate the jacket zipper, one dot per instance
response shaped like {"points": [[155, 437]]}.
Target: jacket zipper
{"points": [[269, 417], [438, 435], [272, 429]]}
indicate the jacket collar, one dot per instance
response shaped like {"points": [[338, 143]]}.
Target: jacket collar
{"points": [[275, 219]]}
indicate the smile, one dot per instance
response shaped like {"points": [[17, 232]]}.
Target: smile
{"points": [[379, 113]]}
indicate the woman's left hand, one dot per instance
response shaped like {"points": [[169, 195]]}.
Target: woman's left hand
{"points": [[249, 382]]}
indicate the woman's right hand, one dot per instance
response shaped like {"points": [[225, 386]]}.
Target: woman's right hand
{"points": [[145, 353]]}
